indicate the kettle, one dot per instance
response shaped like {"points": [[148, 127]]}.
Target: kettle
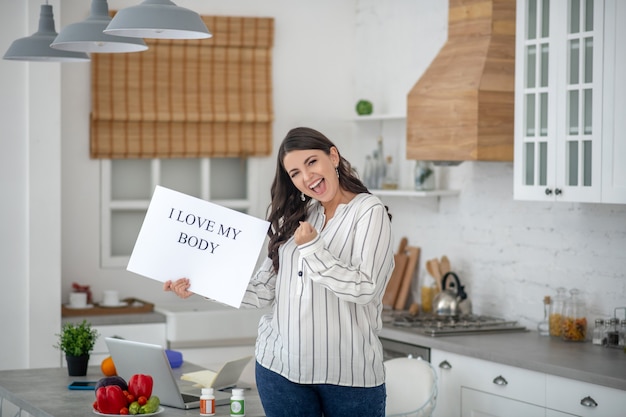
{"points": [[453, 301]]}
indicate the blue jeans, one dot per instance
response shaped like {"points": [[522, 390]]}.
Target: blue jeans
{"points": [[281, 397]]}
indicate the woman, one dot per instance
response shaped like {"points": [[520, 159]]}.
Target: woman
{"points": [[329, 261]]}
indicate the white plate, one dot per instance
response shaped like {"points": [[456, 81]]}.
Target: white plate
{"points": [[120, 304], [78, 308], [158, 411]]}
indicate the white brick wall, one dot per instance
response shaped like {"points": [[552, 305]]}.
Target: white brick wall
{"points": [[509, 254]]}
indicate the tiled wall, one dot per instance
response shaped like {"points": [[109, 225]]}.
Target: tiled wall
{"points": [[509, 253]]}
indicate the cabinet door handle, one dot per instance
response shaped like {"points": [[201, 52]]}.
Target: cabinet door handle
{"points": [[548, 191], [558, 191], [588, 402], [445, 365], [499, 380]]}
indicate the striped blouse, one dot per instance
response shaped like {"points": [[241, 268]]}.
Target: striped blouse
{"points": [[327, 299]]}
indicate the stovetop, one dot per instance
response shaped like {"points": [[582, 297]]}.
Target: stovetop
{"points": [[434, 325]]}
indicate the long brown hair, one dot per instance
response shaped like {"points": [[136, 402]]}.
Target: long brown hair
{"points": [[287, 209]]}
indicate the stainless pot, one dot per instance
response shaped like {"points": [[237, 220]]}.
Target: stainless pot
{"points": [[452, 301]]}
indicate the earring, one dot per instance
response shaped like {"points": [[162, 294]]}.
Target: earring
{"points": [[337, 171], [302, 197]]}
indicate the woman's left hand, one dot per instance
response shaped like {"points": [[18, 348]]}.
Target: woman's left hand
{"points": [[304, 233], [180, 287]]}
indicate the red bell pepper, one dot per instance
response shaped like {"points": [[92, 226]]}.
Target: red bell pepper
{"points": [[110, 399], [140, 385]]}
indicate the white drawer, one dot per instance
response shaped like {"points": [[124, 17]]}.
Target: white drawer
{"points": [[506, 381], [566, 395]]}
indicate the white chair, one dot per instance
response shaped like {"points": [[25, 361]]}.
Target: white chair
{"points": [[411, 387]]}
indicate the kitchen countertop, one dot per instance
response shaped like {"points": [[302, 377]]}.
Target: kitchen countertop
{"points": [[579, 361], [44, 393], [114, 319]]}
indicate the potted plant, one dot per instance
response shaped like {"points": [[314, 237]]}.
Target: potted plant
{"points": [[77, 342]]}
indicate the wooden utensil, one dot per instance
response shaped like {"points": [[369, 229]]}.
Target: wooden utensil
{"points": [[444, 265], [413, 260], [393, 286], [432, 266]]}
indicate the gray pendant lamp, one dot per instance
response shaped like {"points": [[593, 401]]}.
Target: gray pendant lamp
{"points": [[37, 46], [87, 36], [158, 19]]}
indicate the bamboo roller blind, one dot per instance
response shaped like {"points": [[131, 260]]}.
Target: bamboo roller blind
{"points": [[187, 98]]}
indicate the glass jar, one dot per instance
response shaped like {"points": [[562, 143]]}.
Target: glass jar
{"points": [[543, 327], [598, 337], [622, 333], [556, 312], [424, 176], [612, 333], [427, 293], [574, 321]]}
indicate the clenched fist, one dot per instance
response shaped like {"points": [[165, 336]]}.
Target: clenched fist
{"points": [[304, 233]]}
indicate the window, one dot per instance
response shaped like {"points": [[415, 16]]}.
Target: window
{"points": [[127, 186]]}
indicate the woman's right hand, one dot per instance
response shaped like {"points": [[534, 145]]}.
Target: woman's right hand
{"points": [[180, 287]]}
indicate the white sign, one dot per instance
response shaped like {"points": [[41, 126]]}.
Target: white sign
{"points": [[215, 247]]}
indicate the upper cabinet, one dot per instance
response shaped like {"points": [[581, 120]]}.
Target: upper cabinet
{"points": [[568, 96], [462, 108], [614, 104]]}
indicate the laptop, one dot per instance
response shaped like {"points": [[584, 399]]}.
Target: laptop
{"points": [[132, 357]]}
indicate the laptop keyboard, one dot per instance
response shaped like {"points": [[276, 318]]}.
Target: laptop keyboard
{"points": [[188, 398]]}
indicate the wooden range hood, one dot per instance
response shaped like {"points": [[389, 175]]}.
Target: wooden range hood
{"points": [[462, 108]]}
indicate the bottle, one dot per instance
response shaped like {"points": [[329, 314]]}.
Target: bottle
{"points": [[391, 176], [382, 166], [574, 324], [424, 176], [237, 403], [368, 172], [598, 333], [207, 402], [556, 312], [622, 333], [543, 327], [612, 334], [607, 330], [376, 170]]}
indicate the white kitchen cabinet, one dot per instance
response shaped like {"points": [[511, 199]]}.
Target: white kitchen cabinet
{"points": [[470, 387], [569, 56], [450, 375], [147, 333], [583, 399], [481, 404], [461, 378], [614, 104]]}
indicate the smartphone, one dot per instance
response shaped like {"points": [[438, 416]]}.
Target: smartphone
{"points": [[83, 385]]}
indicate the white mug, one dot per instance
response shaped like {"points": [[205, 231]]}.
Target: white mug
{"points": [[110, 298], [78, 299]]}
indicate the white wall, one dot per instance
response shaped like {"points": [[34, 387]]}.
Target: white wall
{"points": [[327, 54], [13, 188], [31, 184], [313, 84], [313, 52]]}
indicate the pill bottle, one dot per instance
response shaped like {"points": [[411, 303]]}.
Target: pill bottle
{"points": [[207, 402], [237, 406]]}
